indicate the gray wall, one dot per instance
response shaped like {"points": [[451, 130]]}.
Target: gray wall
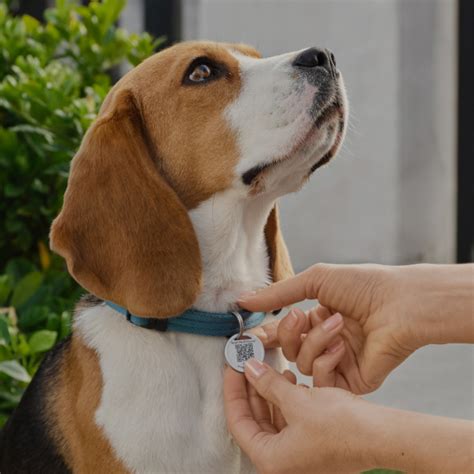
{"points": [[389, 196]]}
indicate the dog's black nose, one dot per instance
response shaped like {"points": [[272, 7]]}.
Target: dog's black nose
{"points": [[314, 57]]}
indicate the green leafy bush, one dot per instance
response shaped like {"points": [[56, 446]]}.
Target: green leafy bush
{"points": [[53, 78], [35, 313]]}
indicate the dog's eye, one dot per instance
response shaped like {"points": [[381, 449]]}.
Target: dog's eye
{"points": [[200, 73], [203, 70]]}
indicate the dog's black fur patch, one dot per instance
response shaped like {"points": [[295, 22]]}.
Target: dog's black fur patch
{"points": [[87, 301], [26, 445], [325, 159], [252, 173]]}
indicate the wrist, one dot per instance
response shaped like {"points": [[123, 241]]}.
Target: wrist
{"points": [[408, 441], [384, 449], [364, 430], [436, 303], [390, 438]]}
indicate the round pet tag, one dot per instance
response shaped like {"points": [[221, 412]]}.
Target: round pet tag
{"points": [[239, 350]]}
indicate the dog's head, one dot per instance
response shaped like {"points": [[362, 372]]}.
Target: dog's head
{"points": [[189, 122]]}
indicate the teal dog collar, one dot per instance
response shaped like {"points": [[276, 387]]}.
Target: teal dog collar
{"points": [[195, 322]]}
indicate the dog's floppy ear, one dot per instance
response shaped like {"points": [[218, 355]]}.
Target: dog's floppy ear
{"points": [[280, 263], [123, 231]]}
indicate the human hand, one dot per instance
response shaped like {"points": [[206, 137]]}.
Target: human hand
{"points": [[311, 429], [334, 350], [372, 319], [332, 430]]}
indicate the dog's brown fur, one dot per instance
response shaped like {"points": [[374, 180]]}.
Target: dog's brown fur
{"points": [[73, 406]]}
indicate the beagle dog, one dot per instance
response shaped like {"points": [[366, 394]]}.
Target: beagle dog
{"points": [[171, 205]]}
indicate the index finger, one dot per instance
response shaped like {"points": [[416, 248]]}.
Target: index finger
{"points": [[282, 293], [240, 421]]}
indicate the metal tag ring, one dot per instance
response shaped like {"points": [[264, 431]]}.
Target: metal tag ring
{"points": [[241, 323]]}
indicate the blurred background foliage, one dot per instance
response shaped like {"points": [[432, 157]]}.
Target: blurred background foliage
{"points": [[53, 77]]}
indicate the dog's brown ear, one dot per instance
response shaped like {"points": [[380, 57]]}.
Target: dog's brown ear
{"points": [[280, 263], [123, 231]]}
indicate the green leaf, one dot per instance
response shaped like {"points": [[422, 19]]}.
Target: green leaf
{"points": [[12, 190], [4, 333], [65, 324], [15, 370], [32, 316], [42, 341], [46, 134], [53, 323], [11, 399], [31, 23], [18, 267], [26, 288], [5, 289], [23, 348]]}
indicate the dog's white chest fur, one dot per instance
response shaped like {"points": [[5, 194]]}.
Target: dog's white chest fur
{"points": [[161, 407]]}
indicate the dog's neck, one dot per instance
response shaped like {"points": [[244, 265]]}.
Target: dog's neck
{"points": [[230, 231]]}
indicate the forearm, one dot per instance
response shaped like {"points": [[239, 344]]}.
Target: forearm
{"points": [[416, 442], [440, 300]]}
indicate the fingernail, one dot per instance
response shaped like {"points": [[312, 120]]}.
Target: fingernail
{"points": [[246, 294], [290, 321], [255, 368], [334, 321], [335, 346]]}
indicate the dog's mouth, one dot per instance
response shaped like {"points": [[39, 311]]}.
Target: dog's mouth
{"points": [[333, 112]]}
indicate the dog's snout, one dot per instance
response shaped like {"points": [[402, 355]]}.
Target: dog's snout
{"points": [[312, 58]]}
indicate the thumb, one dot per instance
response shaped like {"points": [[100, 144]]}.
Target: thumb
{"points": [[270, 385]]}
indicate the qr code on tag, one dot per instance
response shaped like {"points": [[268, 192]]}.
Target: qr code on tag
{"points": [[244, 351]]}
